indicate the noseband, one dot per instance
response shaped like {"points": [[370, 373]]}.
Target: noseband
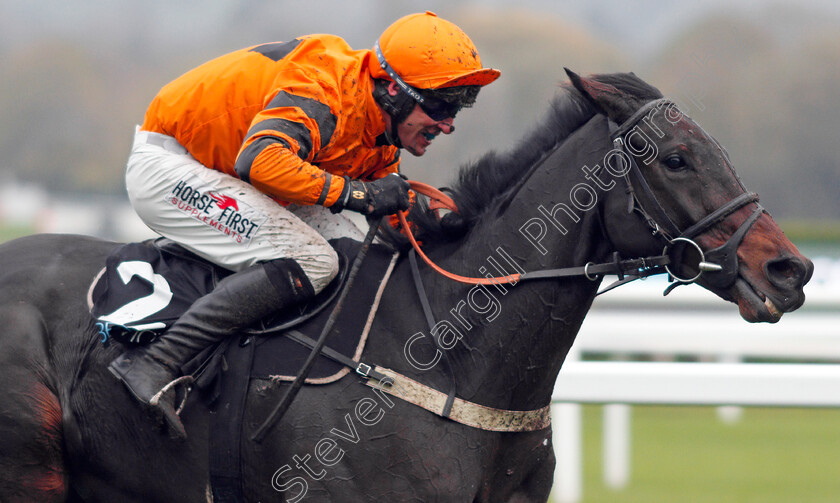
{"points": [[719, 267]]}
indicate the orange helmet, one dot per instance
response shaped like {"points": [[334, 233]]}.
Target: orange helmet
{"points": [[426, 52]]}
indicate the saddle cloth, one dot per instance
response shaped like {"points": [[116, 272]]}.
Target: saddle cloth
{"points": [[160, 275]]}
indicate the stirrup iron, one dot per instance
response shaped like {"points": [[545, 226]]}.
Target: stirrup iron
{"points": [[186, 380]]}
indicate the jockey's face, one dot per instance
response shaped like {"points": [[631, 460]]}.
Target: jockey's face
{"points": [[418, 130]]}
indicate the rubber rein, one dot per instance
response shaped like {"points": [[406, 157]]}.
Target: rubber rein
{"points": [[632, 269]]}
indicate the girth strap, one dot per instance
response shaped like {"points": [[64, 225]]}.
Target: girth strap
{"points": [[462, 411], [430, 320], [226, 427], [360, 367]]}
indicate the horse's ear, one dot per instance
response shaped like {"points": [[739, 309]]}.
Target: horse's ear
{"points": [[611, 100]]}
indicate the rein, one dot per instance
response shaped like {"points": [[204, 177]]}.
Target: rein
{"points": [[721, 268], [626, 270]]}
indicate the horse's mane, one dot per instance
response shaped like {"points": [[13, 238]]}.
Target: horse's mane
{"points": [[484, 184]]}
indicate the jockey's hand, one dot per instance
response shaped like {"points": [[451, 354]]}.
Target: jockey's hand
{"points": [[380, 197]]}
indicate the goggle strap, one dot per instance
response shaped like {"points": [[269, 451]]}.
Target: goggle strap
{"points": [[391, 73]]}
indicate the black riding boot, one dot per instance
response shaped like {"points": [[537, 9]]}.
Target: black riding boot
{"points": [[237, 302]]}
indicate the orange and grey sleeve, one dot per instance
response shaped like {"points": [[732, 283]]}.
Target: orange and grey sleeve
{"points": [[278, 149], [391, 166]]}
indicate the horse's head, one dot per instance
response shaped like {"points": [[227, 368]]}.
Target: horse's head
{"points": [[681, 183]]}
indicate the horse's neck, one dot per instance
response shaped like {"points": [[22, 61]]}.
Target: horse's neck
{"points": [[515, 338]]}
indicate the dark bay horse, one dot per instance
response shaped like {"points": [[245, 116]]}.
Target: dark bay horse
{"points": [[565, 197]]}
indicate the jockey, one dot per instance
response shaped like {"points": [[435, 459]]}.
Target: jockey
{"points": [[248, 159]]}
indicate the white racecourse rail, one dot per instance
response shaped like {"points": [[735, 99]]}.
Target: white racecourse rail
{"points": [[635, 320]]}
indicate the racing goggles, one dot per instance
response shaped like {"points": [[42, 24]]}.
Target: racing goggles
{"points": [[437, 109]]}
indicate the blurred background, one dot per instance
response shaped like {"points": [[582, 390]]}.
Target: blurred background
{"points": [[761, 76]]}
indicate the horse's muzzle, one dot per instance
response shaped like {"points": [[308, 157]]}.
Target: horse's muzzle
{"points": [[789, 275]]}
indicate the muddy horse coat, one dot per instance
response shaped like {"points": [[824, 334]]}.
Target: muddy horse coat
{"points": [[70, 432]]}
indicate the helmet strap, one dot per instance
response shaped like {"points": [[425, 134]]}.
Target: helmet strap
{"points": [[407, 89], [393, 137], [398, 107]]}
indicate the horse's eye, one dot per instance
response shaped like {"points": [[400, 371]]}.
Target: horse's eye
{"points": [[674, 162]]}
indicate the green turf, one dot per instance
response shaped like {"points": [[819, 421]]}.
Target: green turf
{"points": [[687, 455], [9, 232]]}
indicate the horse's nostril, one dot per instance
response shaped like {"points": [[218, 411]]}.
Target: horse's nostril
{"points": [[787, 272], [782, 269]]}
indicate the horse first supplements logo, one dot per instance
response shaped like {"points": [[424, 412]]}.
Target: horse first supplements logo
{"points": [[222, 212]]}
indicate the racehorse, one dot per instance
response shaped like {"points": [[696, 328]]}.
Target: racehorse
{"points": [[613, 174]]}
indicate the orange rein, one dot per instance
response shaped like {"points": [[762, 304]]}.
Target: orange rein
{"points": [[440, 200]]}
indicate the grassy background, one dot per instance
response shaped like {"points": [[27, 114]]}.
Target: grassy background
{"points": [[9, 232], [687, 455]]}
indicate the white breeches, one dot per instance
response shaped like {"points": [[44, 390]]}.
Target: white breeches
{"points": [[224, 219]]}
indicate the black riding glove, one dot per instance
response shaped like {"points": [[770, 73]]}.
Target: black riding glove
{"points": [[380, 197]]}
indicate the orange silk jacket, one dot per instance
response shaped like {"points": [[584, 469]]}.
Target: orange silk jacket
{"points": [[283, 116]]}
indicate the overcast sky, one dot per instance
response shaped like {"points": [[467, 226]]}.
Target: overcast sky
{"points": [[642, 23]]}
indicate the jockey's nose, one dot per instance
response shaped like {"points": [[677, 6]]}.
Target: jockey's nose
{"points": [[446, 126]]}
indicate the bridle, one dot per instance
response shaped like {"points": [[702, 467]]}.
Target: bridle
{"points": [[717, 267]]}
